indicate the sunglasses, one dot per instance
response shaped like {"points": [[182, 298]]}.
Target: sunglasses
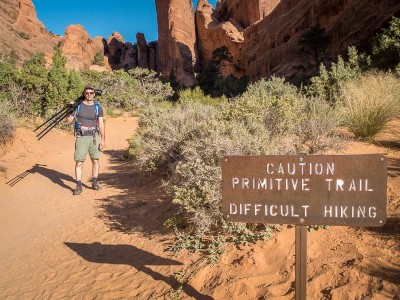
{"points": [[90, 93]]}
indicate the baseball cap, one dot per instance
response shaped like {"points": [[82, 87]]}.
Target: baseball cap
{"points": [[88, 87]]}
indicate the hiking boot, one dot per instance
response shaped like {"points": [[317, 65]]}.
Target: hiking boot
{"points": [[96, 186], [77, 191]]}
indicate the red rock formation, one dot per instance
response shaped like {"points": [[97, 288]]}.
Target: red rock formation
{"points": [[79, 48], [177, 53], [22, 32], [143, 51], [271, 45], [245, 12], [115, 47], [213, 34], [153, 55]]}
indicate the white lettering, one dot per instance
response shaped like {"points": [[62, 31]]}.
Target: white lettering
{"points": [[280, 169], [330, 169], [273, 213], [269, 171], [304, 186], [235, 182], [329, 183], [339, 184], [245, 183], [305, 207], [257, 208], [293, 171], [232, 209]]}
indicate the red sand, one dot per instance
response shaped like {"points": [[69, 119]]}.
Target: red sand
{"points": [[110, 244]]}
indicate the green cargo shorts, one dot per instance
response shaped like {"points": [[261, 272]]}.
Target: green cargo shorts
{"points": [[85, 145]]}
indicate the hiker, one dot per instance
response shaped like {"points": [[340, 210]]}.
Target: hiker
{"points": [[90, 136]]}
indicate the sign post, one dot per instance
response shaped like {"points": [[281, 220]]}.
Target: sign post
{"points": [[338, 190], [301, 262]]}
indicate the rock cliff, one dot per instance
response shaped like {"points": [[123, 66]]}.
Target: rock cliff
{"points": [[263, 35], [177, 50], [212, 33], [22, 32], [271, 45], [246, 12]]}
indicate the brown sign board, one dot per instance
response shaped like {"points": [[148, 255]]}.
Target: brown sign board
{"points": [[342, 190]]}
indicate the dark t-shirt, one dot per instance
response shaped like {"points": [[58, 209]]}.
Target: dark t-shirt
{"points": [[87, 115]]}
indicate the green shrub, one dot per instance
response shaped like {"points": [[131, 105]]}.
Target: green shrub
{"points": [[197, 95], [24, 35], [7, 126], [386, 48], [98, 59], [327, 85], [369, 103], [129, 90], [188, 141]]}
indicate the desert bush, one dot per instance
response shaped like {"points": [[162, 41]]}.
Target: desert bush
{"points": [[317, 134], [214, 82], [197, 95], [327, 85], [369, 103], [24, 35], [386, 47], [7, 126], [188, 141], [129, 89], [98, 59]]}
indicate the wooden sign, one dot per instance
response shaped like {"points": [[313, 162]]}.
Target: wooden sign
{"points": [[348, 190]]}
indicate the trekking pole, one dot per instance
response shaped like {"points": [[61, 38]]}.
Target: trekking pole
{"points": [[56, 118], [53, 117], [53, 124]]}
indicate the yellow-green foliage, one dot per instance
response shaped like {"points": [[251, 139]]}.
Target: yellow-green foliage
{"points": [[369, 103], [197, 95]]}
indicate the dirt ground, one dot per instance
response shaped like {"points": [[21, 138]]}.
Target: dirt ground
{"points": [[111, 244]]}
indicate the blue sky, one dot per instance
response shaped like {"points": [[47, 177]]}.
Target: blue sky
{"points": [[101, 18]]}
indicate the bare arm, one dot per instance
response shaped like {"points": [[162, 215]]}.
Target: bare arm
{"points": [[102, 134]]}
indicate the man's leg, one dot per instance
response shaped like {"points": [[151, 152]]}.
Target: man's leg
{"points": [[78, 176], [95, 173]]}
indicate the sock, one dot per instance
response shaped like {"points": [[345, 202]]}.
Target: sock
{"points": [[79, 183], [94, 180]]}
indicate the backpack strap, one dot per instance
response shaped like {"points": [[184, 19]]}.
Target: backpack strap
{"points": [[77, 125], [97, 109]]}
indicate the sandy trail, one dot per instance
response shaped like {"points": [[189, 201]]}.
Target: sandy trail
{"points": [[56, 245], [110, 244]]}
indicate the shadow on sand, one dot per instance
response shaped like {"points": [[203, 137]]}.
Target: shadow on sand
{"points": [[386, 270], [55, 176], [132, 256], [141, 205]]}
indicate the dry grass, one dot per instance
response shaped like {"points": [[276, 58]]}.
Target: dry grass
{"points": [[370, 103]]}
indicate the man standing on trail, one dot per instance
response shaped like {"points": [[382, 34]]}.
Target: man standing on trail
{"points": [[90, 136]]}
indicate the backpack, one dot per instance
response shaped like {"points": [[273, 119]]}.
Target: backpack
{"points": [[78, 125]]}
